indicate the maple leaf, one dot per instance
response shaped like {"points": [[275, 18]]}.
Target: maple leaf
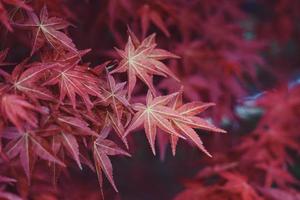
{"points": [[78, 125], [74, 79], [188, 121], [67, 134], [148, 14], [116, 11], [47, 29], [102, 148], [143, 60], [112, 120], [25, 79], [115, 95], [18, 111], [69, 142], [63, 130], [27, 145], [154, 114]]}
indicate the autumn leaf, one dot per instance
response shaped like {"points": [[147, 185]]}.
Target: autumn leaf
{"points": [[115, 96], [154, 114], [70, 144], [143, 61], [74, 79], [18, 110], [102, 148], [150, 15], [47, 29], [28, 146], [78, 125], [112, 121], [26, 78], [189, 122], [66, 132]]}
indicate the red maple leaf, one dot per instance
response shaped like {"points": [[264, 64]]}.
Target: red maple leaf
{"points": [[102, 148], [73, 79], [28, 145], [18, 111], [189, 121], [151, 15], [115, 96], [25, 79], [155, 114], [143, 60], [64, 130], [47, 29]]}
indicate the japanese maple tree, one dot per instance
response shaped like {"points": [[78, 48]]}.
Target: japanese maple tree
{"points": [[99, 99]]}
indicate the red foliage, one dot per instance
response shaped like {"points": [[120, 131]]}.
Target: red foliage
{"points": [[67, 107]]}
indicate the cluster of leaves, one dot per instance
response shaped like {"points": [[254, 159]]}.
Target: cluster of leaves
{"points": [[208, 36], [57, 108], [67, 106], [260, 166]]}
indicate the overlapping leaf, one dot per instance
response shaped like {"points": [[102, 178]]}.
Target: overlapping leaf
{"points": [[150, 15], [47, 29], [27, 145], [102, 148], [189, 121], [154, 114], [64, 130], [115, 96], [72, 80], [18, 111], [177, 119]]}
